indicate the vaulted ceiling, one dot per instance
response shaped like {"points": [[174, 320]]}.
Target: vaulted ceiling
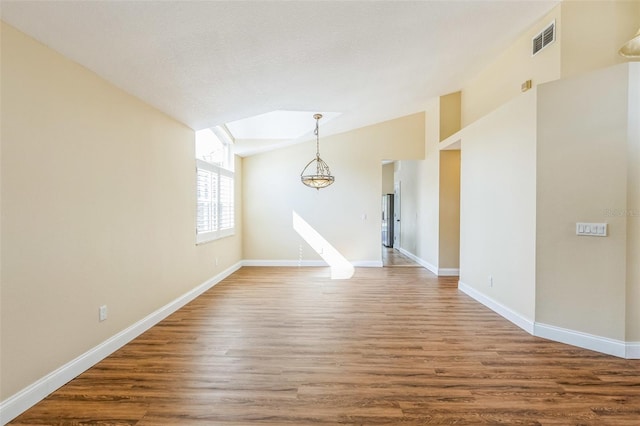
{"points": [[207, 63]]}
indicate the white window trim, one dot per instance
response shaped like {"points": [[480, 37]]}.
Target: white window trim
{"points": [[205, 237]]}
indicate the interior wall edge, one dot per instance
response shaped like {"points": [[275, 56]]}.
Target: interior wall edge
{"points": [[605, 345], [18, 403], [421, 262], [504, 311], [291, 263]]}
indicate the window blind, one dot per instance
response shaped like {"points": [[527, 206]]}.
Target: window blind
{"points": [[215, 202]]}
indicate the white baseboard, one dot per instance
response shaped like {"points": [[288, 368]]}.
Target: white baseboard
{"points": [[284, 263], [619, 348], [441, 272], [632, 350], [17, 404], [507, 313], [311, 263], [448, 272], [581, 340], [419, 261], [367, 263]]}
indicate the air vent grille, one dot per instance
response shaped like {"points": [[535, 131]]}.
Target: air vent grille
{"points": [[545, 38]]}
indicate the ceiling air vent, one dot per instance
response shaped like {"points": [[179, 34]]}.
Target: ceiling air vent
{"points": [[545, 38]]}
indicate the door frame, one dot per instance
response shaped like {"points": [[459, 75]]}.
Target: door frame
{"points": [[397, 190]]}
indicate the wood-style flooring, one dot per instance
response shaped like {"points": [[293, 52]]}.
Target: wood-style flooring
{"points": [[392, 346], [393, 258]]}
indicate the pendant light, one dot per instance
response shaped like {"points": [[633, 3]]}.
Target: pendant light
{"points": [[631, 49], [322, 176]]}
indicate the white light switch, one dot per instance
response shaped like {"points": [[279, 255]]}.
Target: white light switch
{"points": [[591, 229]]}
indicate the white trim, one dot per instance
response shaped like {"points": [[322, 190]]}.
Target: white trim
{"points": [[632, 350], [441, 272], [285, 263], [502, 310], [207, 237], [367, 263], [419, 261], [448, 272], [619, 348], [18, 403], [581, 340], [311, 263]]}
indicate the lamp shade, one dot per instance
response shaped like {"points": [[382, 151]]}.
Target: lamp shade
{"points": [[631, 49]]}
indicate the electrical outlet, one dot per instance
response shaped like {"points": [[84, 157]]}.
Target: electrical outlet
{"points": [[102, 313], [490, 280], [216, 261]]}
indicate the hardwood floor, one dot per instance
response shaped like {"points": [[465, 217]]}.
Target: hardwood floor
{"points": [[395, 346], [393, 258]]}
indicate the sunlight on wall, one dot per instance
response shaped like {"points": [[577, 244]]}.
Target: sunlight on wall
{"points": [[340, 267]]}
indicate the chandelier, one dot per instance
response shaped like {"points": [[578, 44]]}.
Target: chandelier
{"points": [[631, 49], [322, 176]]}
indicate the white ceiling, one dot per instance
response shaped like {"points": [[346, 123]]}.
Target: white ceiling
{"points": [[208, 63], [278, 125]]}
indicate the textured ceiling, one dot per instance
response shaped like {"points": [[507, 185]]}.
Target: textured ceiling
{"points": [[207, 63]]}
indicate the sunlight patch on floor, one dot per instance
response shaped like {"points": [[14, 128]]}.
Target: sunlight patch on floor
{"points": [[341, 268]]}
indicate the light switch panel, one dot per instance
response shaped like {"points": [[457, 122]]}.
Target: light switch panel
{"points": [[591, 229]]}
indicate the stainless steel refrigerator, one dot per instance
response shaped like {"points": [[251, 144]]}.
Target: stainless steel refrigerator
{"points": [[387, 220]]}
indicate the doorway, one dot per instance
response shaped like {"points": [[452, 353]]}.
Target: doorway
{"points": [[396, 214]]}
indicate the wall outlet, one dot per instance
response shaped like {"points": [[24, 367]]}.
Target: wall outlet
{"points": [[490, 280], [102, 313], [216, 261]]}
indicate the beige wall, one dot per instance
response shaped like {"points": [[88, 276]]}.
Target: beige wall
{"points": [[387, 178], [431, 192], [593, 31], [420, 194], [501, 80], [450, 114], [98, 207], [347, 213], [449, 209], [498, 205], [429, 177], [582, 174], [588, 36]]}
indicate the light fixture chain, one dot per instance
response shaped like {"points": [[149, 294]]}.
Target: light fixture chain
{"points": [[317, 133]]}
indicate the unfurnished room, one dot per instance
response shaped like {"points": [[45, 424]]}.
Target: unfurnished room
{"points": [[320, 212]]}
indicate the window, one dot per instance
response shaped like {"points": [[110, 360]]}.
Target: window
{"points": [[214, 185]]}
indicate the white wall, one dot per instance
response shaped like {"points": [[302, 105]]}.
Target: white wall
{"points": [[347, 213], [98, 207], [420, 194], [407, 175], [498, 205]]}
